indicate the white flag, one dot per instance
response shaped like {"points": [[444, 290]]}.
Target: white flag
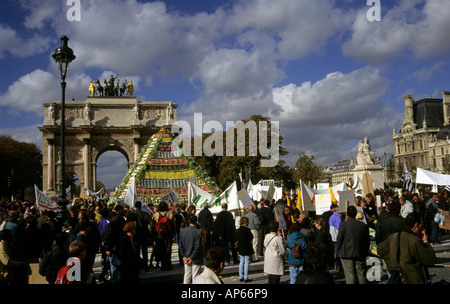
{"points": [[44, 201], [197, 196], [245, 198]]}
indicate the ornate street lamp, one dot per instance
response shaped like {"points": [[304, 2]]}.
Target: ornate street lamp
{"points": [[63, 56]]}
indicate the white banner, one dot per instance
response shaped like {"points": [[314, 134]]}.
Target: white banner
{"points": [[245, 198], [198, 197], [229, 196], [431, 178], [44, 201], [131, 197], [92, 193]]}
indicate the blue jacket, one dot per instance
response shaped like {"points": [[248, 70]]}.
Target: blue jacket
{"points": [[190, 244], [293, 240]]}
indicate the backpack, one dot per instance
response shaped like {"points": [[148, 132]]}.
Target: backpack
{"points": [[62, 278], [163, 226], [297, 251], [45, 265]]}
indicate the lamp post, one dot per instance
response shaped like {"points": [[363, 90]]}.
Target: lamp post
{"points": [[63, 56]]}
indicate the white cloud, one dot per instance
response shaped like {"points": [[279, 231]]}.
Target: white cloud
{"points": [[297, 27], [30, 91], [29, 134], [11, 43], [319, 118], [411, 26]]}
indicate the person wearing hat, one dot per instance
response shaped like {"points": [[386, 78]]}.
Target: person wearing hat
{"points": [[353, 245]]}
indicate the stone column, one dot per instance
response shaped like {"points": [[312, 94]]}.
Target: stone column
{"points": [[50, 164], [87, 161], [136, 147]]}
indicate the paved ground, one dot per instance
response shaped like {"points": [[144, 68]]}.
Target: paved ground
{"points": [[230, 274]]}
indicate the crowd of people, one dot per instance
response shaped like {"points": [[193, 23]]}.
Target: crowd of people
{"points": [[310, 246]]}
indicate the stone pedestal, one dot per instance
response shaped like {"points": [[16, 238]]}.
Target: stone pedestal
{"points": [[375, 171]]}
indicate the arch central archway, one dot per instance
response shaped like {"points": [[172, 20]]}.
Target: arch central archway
{"points": [[95, 126], [111, 167]]}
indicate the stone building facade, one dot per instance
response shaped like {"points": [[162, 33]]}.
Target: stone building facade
{"points": [[423, 140]]}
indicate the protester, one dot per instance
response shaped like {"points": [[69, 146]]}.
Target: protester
{"points": [[353, 245], [142, 233], [371, 207], [327, 214], [223, 233], [253, 225], [315, 266], [50, 229], [59, 256], [334, 224], [11, 271], [129, 256], [274, 254], [416, 254], [77, 251], [432, 226], [101, 227], [296, 238], [190, 248], [113, 233], [165, 230], [244, 247], [206, 222], [214, 265], [265, 216], [406, 207], [323, 236], [390, 224]]}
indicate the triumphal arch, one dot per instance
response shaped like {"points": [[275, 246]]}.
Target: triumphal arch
{"points": [[93, 126]]}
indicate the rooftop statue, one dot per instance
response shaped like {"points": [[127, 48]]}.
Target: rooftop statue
{"points": [[111, 87]]}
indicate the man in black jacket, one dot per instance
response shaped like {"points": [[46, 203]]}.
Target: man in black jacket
{"points": [[390, 224], [142, 236], [265, 215], [223, 232], [206, 222], [353, 245], [112, 235]]}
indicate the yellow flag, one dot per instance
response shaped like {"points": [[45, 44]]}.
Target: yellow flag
{"points": [[299, 198]]}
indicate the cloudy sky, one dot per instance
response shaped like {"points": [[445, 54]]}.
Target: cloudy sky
{"points": [[328, 74]]}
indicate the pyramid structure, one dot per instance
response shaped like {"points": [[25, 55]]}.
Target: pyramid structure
{"points": [[159, 169]]}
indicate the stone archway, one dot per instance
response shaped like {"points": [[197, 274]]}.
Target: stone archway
{"points": [[94, 126]]}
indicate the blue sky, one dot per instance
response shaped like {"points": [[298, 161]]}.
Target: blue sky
{"points": [[319, 67]]}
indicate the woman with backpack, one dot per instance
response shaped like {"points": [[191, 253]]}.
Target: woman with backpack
{"points": [[164, 231], [296, 244]]}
